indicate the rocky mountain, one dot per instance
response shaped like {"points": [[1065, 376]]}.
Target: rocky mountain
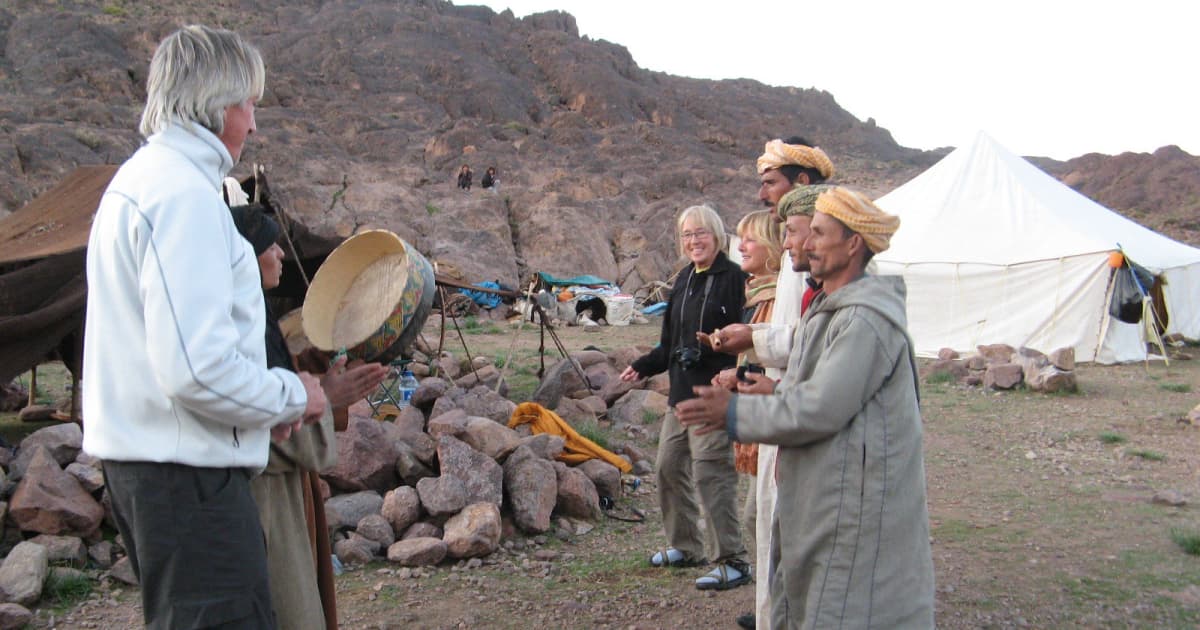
{"points": [[373, 105]]}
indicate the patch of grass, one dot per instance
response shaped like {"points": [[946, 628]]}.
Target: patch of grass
{"points": [[66, 591], [1109, 437], [431, 209], [1188, 540], [649, 417], [592, 431], [1178, 388], [1147, 454], [115, 10], [938, 378]]}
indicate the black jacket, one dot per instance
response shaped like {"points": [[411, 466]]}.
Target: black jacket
{"points": [[682, 320]]}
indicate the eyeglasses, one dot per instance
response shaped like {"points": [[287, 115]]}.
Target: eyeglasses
{"points": [[694, 236]]}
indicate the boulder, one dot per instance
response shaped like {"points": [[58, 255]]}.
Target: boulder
{"points": [[594, 405], [68, 549], [442, 496], [996, 353], [422, 529], [409, 467], [348, 509], [23, 573], [532, 488], [573, 413], [588, 358], [1002, 376], [947, 354], [451, 423], [122, 571], [1063, 358], [948, 369], [483, 402], [474, 532], [401, 508], [376, 528], [355, 550], [417, 552], [615, 388], [561, 378], [366, 457], [91, 478], [1051, 379], [410, 421], [443, 405], [481, 476], [488, 376], [621, 358], [1031, 362], [598, 375], [49, 501], [577, 494], [102, 554], [63, 441], [429, 391], [447, 366], [14, 616], [489, 437], [545, 445], [605, 476], [977, 363], [638, 407]]}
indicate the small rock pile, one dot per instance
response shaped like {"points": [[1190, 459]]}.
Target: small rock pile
{"points": [[1002, 367]]}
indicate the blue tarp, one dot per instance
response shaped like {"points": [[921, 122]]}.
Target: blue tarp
{"points": [[655, 309], [585, 280], [482, 298]]}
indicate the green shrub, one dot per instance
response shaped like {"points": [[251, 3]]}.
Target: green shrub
{"points": [[1108, 437], [1178, 388], [1189, 541], [1148, 455], [66, 590]]}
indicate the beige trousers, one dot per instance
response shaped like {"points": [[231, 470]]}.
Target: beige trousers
{"points": [[690, 465]]}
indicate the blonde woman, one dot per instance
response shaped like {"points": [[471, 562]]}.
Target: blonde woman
{"points": [[709, 293]]}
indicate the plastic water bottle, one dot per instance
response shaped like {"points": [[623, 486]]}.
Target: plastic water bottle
{"points": [[408, 385]]}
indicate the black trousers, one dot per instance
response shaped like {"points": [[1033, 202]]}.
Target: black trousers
{"points": [[195, 543]]}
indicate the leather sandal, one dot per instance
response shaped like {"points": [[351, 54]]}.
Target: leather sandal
{"points": [[724, 577]]}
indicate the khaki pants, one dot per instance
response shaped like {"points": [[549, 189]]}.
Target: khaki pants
{"points": [[690, 464]]}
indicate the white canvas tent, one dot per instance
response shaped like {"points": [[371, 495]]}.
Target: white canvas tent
{"points": [[994, 250]]}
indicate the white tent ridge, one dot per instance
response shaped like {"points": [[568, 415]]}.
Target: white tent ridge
{"points": [[994, 250]]}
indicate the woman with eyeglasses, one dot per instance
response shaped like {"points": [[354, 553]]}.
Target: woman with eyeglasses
{"points": [[709, 293]]}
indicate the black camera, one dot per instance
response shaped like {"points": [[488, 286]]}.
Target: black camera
{"points": [[687, 357], [750, 368]]}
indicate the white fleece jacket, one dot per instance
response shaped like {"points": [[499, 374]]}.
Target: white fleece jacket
{"points": [[174, 360]]}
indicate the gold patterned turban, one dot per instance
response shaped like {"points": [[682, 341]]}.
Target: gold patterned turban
{"points": [[861, 215], [777, 154], [800, 200]]}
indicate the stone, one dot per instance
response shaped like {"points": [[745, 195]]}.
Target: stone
{"points": [[1172, 498], [401, 508], [417, 552], [63, 442], [977, 363], [376, 528], [947, 354], [660, 383], [69, 549], [1193, 416], [366, 457], [1063, 358], [577, 494], [409, 467], [23, 573], [615, 388], [545, 445], [410, 421], [422, 530], [562, 377], [1051, 379], [442, 497], [598, 375], [532, 488], [946, 370], [92, 479], [630, 451], [573, 413], [355, 550], [447, 366], [481, 476], [1031, 362], [483, 402], [451, 423], [49, 501], [429, 391], [594, 404], [14, 616], [352, 508], [122, 571], [1002, 376], [474, 532], [89, 460], [974, 379], [443, 405], [605, 476], [37, 413], [588, 358], [639, 406], [488, 376], [996, 353], [102, 554], [489, 437]]}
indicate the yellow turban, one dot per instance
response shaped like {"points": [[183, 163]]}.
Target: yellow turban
{"points": [[858, 213], [777, 154], [800, 200]]}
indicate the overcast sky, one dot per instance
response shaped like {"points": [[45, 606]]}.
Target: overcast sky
{"points": [[1055, 78]]}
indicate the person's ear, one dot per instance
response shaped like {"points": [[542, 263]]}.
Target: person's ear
{"points": [[802, 179]]}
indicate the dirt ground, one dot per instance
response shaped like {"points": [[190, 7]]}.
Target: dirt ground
{"points": [[1040, 507]]}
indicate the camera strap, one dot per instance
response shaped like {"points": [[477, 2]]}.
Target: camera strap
{"points": [[703, 303]]}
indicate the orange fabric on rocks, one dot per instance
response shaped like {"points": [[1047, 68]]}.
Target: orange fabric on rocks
{"points": [[577, 449]]}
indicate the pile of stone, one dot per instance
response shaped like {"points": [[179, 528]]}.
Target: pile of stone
{"points": [[1002, 367], [446, 479]]}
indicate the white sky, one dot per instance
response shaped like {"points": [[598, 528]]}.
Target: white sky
{"points": [[1055, 78]]}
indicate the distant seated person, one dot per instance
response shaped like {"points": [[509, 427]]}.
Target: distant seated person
{"points": [[489, 178], [464, 177]]}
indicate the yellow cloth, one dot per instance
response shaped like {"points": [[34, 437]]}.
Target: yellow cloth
{"points": [[800, 200], [577, 449], [861, 215], [776, 153]]}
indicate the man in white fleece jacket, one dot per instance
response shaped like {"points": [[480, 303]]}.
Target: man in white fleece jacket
{"points": [[179, 402]]}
